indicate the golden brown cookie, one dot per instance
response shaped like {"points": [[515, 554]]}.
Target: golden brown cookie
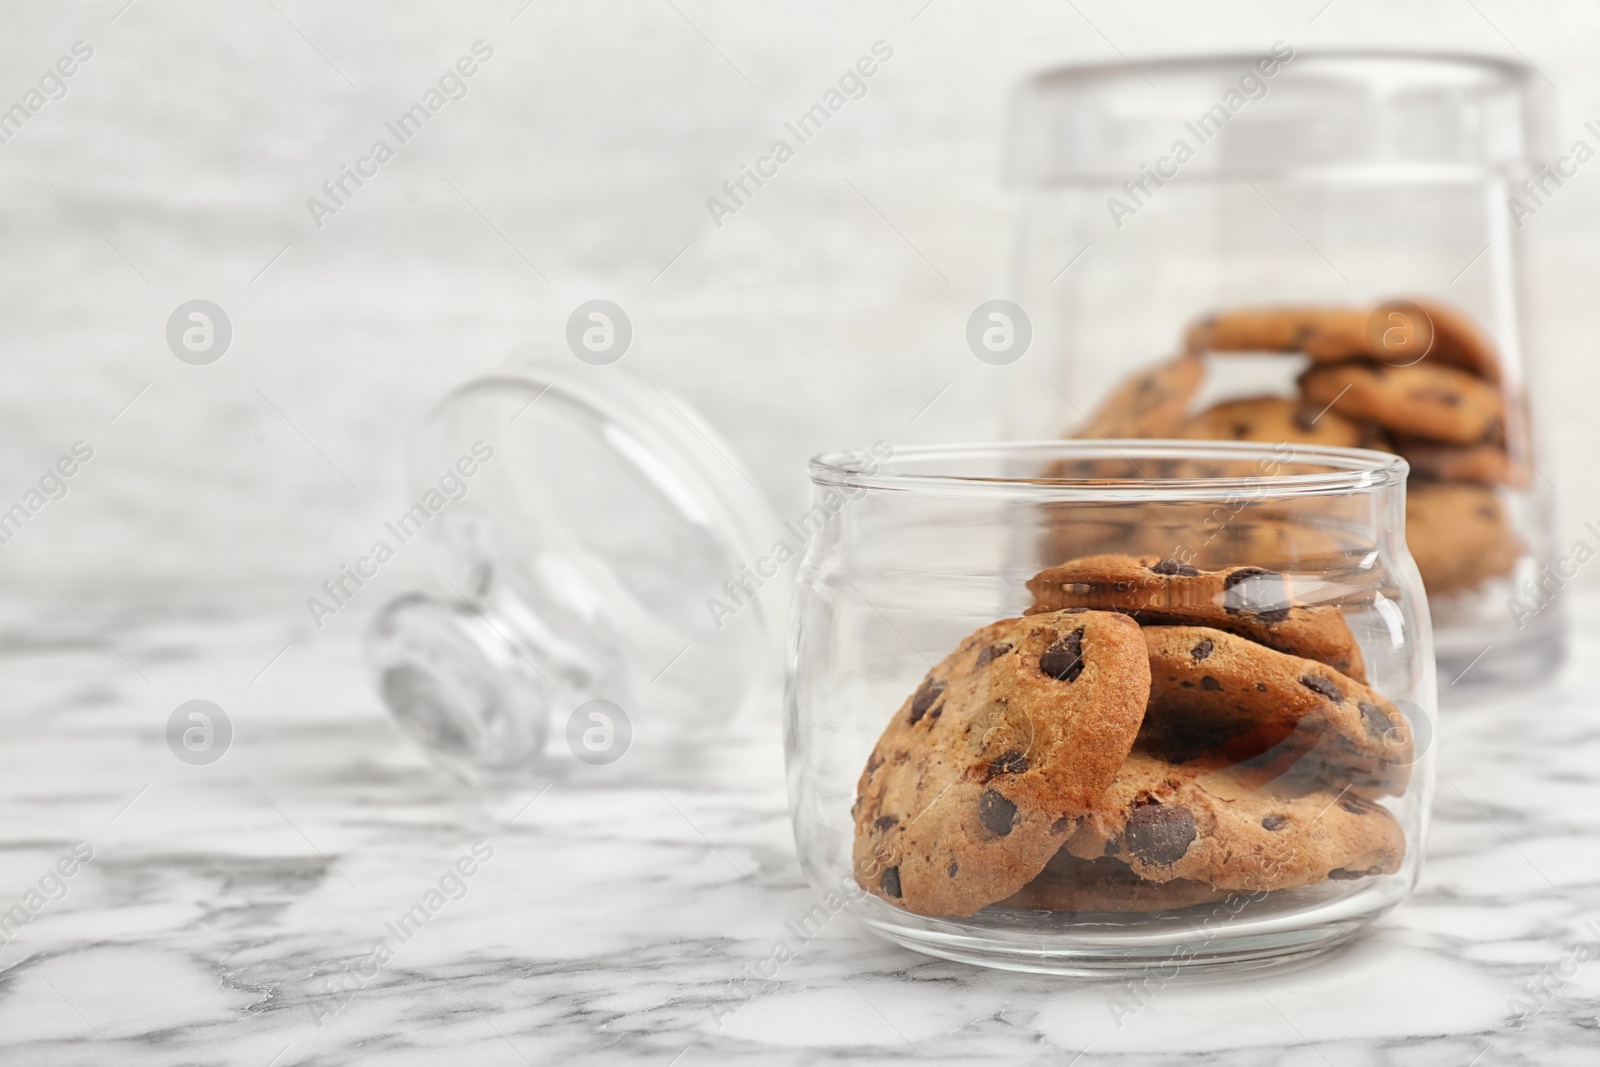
{"points": [[1152, 403], [1483, 464], [1423, 400], [1276, 418], [1442, 335], [1323, 333], [1296, 543], [1276, 538], [1223, 827], [1458, 534], [1457, 342], [1250, 601], [1211, 691], [1068, 883], [987, 767]]}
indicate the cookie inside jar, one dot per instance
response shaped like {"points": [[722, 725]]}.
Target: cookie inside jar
{"points": [[1417, 378], [1149, 735]]}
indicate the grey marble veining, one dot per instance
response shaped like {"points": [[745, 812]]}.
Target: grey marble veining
{"points": [[229, 913]]}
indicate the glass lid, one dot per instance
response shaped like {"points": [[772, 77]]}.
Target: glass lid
{"points": [[599, 546]]}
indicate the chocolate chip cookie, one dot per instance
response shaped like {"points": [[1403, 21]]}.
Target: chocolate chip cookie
{"points": [[1068, 883], [1253, 602], [1424, 400], [1320, 332], [1152, 403], [1489, 463], [1457, 342], [1212, 691], [1221, 826], [1296, 537], [1459, 535], [993, 760], [1275, 418], [1304, 543], [1333, 334]]}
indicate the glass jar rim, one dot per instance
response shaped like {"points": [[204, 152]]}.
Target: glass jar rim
{"points": [[1353, 470], [1494, 67], [1389, 116]]}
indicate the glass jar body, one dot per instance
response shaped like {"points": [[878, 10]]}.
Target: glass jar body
{"points": [[1383, 188], [910, 571]]}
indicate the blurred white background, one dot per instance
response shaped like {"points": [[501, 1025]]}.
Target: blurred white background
{"points": [[179, 164]]}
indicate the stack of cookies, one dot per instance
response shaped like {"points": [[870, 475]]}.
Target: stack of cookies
{"points": [[1147, 736], [1412, 378]]}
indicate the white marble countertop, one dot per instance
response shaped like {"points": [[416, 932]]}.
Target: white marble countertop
{"points": [[617, 912]]}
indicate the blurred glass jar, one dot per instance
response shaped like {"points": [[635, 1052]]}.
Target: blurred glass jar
{"points": [[1331, 241], [920, 708], [583, 521]]}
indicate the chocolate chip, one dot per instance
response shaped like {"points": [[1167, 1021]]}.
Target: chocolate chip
{"points": [[1210, 684], [1112, 848], [1375, 719], [1203, 649], [954, 867], [883, 822], [1272, 822], [1342, 874], [1256, 591], [1063, 660], [1063, 824], [1160, 835], [1173, 567], [997, 814], [929, 691], [994, 652], [1007, 763], [1322, 687], [1261, 687], [1304, 419], [891, 881], [1353, 807]]}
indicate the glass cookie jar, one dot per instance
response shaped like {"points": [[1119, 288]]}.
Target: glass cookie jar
{"points": [[1315, 249], [1123, 759]]}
